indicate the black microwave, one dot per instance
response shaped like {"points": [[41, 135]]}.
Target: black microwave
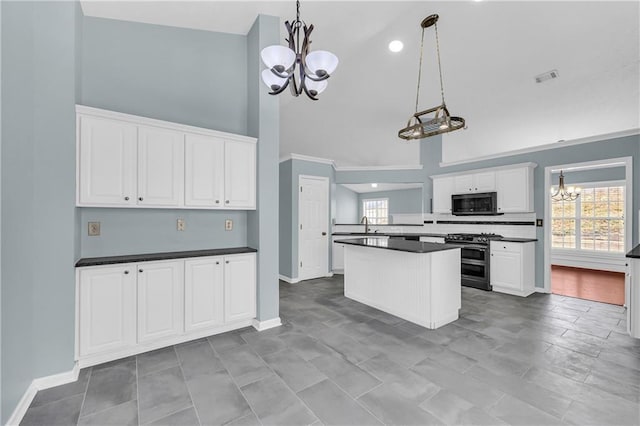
{"points": [[478, 204]]}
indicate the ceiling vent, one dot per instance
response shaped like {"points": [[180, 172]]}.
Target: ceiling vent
{"points": [[549, 75]]}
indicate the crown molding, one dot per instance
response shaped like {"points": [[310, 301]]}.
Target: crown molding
{"points": [[320, 160], [376, 168], [554, 145]]}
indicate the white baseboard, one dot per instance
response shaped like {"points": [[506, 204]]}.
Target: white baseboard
{"points": [[289, 280], [329, 275], [265, 325], [39, 384], [541, 290]]}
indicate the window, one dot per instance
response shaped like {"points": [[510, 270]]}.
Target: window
{"points": [[595, 221], [376, 210]]}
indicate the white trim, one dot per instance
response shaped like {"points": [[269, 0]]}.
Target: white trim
{"points": [[628, 163], [600, 261], [329, 275], [487, 169], [377, 168], [138, 120], [37, 385], [293, 156], [265, 325], [289, 280], [541, 290], [553, 145]]}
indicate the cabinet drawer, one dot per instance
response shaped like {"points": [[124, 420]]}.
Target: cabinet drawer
{"points": [[506, 246]]}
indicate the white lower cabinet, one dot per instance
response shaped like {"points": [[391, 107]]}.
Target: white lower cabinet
{"points": [[337, 256], [512, 267], [160, 300], [132, 308]]}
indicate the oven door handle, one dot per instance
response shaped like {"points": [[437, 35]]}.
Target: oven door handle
{"points": [[479, 247]]}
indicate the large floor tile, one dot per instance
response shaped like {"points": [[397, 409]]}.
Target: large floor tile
{"points": [[516, 412], [161, 359], [297, 373], [392, 408], [198, 358], [244, 365], [110, 385], [64, 391], [217, 399], [121, 415], [161, 394], [450, 409], [63, 412], [186, 417], [351, 378]]}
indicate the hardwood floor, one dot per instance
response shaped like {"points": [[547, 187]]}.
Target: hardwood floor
{"points": [[589, 284]]}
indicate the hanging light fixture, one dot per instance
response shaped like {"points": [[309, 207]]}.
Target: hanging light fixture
{"points": [[313, 68], [421, 125], [564, 194]]}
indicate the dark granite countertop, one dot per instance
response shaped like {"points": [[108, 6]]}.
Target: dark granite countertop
{"points": [[148, 257], [517, 240], [399, 245], [635, 252], [390, 234]]}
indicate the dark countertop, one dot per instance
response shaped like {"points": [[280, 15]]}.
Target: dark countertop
{"points": [[399, 245], [517, 240], [635, 252], [148, 257], [390, 234], [386, 224]]}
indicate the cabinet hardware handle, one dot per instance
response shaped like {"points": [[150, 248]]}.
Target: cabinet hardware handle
{"points": [[227, 201], [324, 233], [140, 198], [217, 263], [227, 261], [140, 270], [217, 201], [476, 189], [126, 272], [126, 198]]}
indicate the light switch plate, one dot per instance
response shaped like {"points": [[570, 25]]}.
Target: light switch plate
{"points": [[181, 225], [93, 229], [228, 225]]}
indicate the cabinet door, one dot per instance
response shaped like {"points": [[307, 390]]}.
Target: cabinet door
{"points": [[484, 182], [240, 175], [160, 167], [337, 257], [204, 171], [160, 300], [204, 293], [463, 184], [107, 309], [107, 162], [239, 287], [515, 192], [505, 269], [442, 190]]}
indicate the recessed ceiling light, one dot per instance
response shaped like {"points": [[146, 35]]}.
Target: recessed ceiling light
{"points": [[396, 46], [374, 185]]}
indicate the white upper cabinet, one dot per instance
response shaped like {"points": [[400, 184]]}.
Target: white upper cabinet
{"points": [[160, 167], [240, 175], [515, 190], [476, 182], [129, 161], [240, 287], [204, 171], [442, 189], [106, 162]]}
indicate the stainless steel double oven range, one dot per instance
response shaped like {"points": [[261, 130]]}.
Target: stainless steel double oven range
{"points": [[474, 258]]}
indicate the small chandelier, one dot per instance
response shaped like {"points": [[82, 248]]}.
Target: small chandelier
{"points": [[314, 68], [420, 124], [562, 194]]}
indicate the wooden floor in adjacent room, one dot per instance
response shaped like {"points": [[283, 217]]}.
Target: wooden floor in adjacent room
{"points": [[589, 284]]}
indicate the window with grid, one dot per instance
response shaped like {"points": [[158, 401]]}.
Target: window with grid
{"points": [[376, 211], [595, 221]]}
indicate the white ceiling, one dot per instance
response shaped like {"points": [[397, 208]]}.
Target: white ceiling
{"points": [[362, 188], [490, 51]]}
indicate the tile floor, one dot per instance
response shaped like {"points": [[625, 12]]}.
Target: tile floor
{"points": [[542, 360]]}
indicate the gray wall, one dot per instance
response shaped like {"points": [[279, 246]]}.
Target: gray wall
{"points": [[347, 208], [181, 75], [595, 175], [431, 154], [264, 123], [285, 217], [400, 201], [38, 181]]}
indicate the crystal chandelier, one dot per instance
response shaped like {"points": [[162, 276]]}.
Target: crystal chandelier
{"points": [[562, 194], [313, 68], [420, 124]]}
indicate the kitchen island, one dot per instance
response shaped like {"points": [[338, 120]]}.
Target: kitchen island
{"points": [[416, 281]]}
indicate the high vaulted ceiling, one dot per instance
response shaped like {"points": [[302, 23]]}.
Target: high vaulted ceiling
{"points": [[491, 51]]}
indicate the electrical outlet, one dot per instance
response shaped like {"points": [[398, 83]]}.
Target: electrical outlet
{"points": [[538, 222], [181, 225], [228, 225], [94, 229]]}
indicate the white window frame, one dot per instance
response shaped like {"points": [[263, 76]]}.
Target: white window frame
{"points": [[373, 219], [578, 219]]}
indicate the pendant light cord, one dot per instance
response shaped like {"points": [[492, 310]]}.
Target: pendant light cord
{"points": [[420, 70], [439, 64]]}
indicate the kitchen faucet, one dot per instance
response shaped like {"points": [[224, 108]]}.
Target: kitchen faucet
{"points": [[365, 220]]}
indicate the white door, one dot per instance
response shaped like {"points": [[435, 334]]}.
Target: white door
{"points": [[313, 227], [442, 190], [160, 299], [204, 171], [204, 293], [107, 308], [107, 151], [514, 190], [160, 167], [240, 175], [239, 287]]}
